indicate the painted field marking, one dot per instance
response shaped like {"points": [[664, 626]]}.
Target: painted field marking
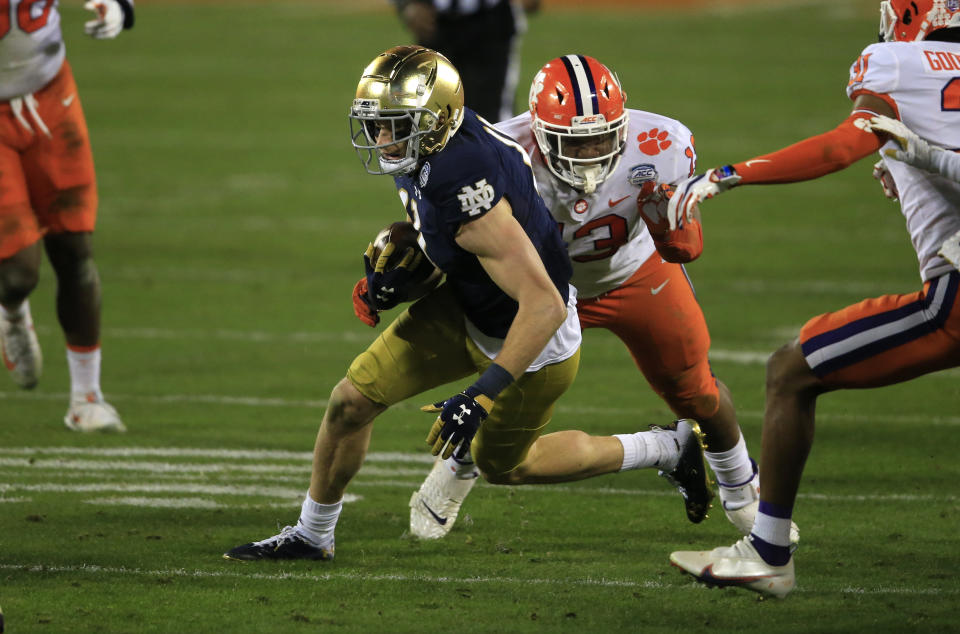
{"points": [[249, 401], [343, 575]]}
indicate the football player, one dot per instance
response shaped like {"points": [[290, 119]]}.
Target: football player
{"points": [[600, 169], [48, 197], [506, 312], [909, 76]]}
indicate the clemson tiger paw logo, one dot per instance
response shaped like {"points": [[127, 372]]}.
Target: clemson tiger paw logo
{"points": [[653, 141]]}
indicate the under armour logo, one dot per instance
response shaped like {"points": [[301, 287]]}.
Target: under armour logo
{"points": [[475, 199], [464, 412]]}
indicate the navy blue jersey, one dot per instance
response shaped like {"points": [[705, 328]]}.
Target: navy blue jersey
{"points": [[477, 168]]}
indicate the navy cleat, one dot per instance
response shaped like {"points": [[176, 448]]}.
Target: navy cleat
{"points": [[287, 545], [690, 475]]}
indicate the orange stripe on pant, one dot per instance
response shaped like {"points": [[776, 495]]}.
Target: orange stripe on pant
{"points": [[47, 184], [888, 339], [656, 315]]}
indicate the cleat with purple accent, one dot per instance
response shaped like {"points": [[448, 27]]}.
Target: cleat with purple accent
{"points": [[739, 566]]}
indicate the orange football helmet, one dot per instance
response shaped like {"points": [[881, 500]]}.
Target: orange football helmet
{"points": [[579, 120], [913, 20]]}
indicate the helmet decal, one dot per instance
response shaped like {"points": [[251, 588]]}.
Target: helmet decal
{"points": [[584, 90]]}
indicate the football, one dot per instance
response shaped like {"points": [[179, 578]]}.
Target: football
{"points": [[403, 236]]}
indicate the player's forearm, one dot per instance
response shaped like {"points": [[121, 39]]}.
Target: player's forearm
{"points": [[814, 157], [945, 162], [536, 322]]}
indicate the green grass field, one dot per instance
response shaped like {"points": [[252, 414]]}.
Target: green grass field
{"points": [[233, 216]]}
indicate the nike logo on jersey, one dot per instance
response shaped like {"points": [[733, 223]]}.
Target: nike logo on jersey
{"points": [[654, 291], [440, 520], [69, 100], [752, 161], [614, 203]]}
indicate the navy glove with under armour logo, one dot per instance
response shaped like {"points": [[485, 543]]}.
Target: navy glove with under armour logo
{"points": [[460, 417], [387, 288]]}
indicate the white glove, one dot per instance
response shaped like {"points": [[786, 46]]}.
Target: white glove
{"points": [[696, 188], [913, 150], [112, 17], [882, 174]]}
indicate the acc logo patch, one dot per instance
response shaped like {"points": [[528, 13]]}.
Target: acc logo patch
{"points": [[475, 199], [424, 174], [640, 174]]}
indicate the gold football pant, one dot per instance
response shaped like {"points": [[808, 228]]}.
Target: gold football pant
{"points": [[427, 346]]}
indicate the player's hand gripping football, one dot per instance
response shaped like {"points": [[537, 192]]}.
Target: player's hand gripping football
{"points": [[362, 307], [387, 288], [460, 416], [113, 16], [913, 150], [696, 188]]}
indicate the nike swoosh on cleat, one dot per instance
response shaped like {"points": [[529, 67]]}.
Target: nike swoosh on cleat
{"points": [[706, 575], [69, 100], [614, 203], [440, 520]]}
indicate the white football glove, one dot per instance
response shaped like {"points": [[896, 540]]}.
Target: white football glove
{"points": [[882, 174], [913, 150], [696, 188], [113, 16]]}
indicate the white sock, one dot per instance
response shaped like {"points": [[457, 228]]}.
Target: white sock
{"points": [[17, 313], [317, 521], [462, 467], [84, 372], [733, 466], [649, 449]]}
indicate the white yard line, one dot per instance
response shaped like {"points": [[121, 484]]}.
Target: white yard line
{"points": [[248, 572], [251, 401]]}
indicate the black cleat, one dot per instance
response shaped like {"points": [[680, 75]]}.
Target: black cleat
{"points": [[690, 475], [287, 545]]}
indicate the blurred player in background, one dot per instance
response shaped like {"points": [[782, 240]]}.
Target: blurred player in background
{"points": [[482, 40], [506, 310], [48, 195], [910, 76], [602, 170]]}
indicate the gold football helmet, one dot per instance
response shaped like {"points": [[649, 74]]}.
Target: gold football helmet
{"points": [[409, 104]]}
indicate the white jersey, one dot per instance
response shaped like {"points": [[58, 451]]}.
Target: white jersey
{"points": [[921, 81], [606, 236], [31, 49]]}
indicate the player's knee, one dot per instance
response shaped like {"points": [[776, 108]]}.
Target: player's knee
{"points": [[788, 372], [348, 408], [497, 471], [17, 281]]}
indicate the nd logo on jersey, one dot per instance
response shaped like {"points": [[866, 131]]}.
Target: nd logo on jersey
{"points": [[475, 199]]}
